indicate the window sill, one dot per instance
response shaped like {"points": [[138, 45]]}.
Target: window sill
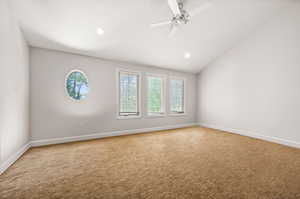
{"points": [[177, 114], [155, 116], [128, 117]]}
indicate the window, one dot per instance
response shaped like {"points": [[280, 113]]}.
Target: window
{"points": [[177, 101], [129, 94], [77, 85], [155, 95]]}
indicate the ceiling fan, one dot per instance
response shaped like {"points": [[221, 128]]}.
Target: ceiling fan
{"points": [[180, 15]]}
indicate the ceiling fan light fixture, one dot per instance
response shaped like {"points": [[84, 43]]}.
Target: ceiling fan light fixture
{"points": [[100, 31]]}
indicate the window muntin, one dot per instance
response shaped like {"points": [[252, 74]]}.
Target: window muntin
{"points": [[177, 89], [128, 93], [77, 85], [155, 95]]}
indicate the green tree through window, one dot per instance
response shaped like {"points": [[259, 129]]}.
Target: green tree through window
{"points": [[77, 85], [177, 95], [154, 102], [128, 83]]}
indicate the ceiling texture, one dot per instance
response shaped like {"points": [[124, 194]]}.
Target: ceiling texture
{"points": [[71, 26]]}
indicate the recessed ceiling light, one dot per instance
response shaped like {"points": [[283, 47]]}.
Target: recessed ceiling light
{"points": [[187, 55], [100, 31]]}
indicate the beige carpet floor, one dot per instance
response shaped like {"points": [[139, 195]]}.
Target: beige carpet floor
{"points": [[183, 163]]}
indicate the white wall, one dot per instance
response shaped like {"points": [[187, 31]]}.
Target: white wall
{"points": [[256, 86], [14, 81], [55, 115]]}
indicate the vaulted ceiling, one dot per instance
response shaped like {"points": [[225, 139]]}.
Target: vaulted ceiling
{"points": [[71, 26]]}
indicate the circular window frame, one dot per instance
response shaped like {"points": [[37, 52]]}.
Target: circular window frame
{"points": [[66, 89]]}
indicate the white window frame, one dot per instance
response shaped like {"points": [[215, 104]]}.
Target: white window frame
{"points": [[163, 102], [170, 113], [139, 107]]}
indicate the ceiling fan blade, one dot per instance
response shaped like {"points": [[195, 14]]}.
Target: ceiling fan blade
{"points": [[173, 4], [201, 8], [173, 30], [159, 24]]}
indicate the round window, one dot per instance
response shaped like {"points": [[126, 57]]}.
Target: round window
{"points": [[77, 85]]}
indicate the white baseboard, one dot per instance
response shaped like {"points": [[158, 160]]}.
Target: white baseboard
{"points": [[35, 143], [253, 135], [14, 157], [44, 142]]}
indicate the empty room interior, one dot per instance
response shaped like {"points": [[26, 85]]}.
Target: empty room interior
{"points": [[150, 99]]}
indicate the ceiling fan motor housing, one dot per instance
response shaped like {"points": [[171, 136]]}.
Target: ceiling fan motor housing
{"points": [[183, 18]]}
